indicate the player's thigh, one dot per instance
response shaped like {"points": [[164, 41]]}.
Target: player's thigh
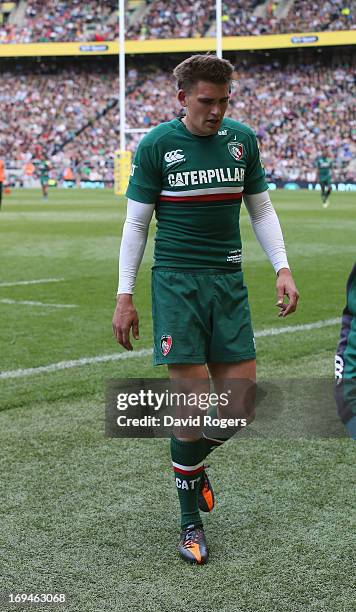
{"points": [[232, 339], [188, 371], [180, 314], [242, 370]]}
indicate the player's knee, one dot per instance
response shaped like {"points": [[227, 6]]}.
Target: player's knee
{"points": [[243, 403]]}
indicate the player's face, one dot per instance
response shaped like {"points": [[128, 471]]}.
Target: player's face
{"points": [[205, 104]]}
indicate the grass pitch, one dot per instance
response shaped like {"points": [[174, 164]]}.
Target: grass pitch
{"points": [[97, 518]]}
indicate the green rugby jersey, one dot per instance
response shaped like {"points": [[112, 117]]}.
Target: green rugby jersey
{"points": [[197, 183], [346, 351], [324, 165], [43, 168]]}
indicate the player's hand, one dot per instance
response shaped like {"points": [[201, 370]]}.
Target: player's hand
{"points": [[286, 287], [125, 318]]}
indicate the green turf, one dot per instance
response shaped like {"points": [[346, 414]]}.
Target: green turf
{"points": [[96, 517]]}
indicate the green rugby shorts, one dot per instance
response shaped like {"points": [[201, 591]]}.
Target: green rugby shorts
{"points": [[200, 316]]}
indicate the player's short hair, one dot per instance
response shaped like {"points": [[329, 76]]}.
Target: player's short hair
{"points": [[207, 67]]}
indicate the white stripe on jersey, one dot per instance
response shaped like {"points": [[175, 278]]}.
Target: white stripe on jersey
{"points": [[198, 192]]}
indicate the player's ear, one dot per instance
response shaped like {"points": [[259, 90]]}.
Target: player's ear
{"points": [[182, 98]]}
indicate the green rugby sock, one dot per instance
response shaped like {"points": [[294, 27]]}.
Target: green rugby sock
{"points": [[188, 465]]}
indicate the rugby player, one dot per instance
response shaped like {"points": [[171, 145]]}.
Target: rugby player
{"points": [[43, 168], [345, 360], [2, 178], [324, 166], [193, 172]]}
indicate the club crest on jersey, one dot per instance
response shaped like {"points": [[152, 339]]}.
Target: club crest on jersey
{"points": [[166, 345], [236, 150]]}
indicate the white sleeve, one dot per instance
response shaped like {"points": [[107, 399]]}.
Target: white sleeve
{"points": [[266, 226], [133, 243]]}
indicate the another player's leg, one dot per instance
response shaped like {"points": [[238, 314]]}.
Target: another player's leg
{"points": [[323, 193], [0, 194], [44, 186], [345, 397], [327, 194]]}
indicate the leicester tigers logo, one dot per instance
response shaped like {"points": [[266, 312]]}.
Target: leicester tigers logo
{"points": [[166, 345], [236, 150]]}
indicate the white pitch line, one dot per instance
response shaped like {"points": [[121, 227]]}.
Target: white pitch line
{"points": [[31, 303], [64, 365], [290, 329], [32, 282]]}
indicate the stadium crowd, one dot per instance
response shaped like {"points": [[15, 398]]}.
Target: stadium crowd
{"points": [[71, 116], [44, 108], [305, 16], [181, 19], [73, 20], [64, 21], [239, 18]]}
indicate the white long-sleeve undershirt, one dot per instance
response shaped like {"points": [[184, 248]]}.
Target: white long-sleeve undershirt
{"points": [[133, 243], [267, 228], [264, 221]]}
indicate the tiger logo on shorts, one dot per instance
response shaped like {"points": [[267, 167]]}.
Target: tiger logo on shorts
{"points": [[166, 344]]}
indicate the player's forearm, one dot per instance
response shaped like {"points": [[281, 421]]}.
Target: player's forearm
{"points": [[132, 248], [267, 228], [133, 243]]}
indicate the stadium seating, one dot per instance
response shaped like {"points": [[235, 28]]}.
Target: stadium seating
{"points": [[305, 16], [244, 19], [185, 20], [64, 21], [72, 20]]}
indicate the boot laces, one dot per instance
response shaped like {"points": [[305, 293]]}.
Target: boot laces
{"points": [[192, 536]]}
